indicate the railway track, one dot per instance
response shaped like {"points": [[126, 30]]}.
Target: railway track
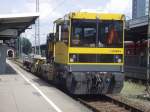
{"points": [[107, 104], [103, 103]]}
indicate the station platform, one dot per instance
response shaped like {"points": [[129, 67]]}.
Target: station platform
{"points": [[21, 91]]}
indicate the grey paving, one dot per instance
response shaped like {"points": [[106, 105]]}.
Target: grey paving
{"points": [[17, 95]]}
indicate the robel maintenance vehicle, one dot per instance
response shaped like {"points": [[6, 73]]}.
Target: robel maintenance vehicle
{"points": [[85, 54]]}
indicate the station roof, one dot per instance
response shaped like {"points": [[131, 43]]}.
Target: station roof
{"points": [[136, 29], [12, 25]]}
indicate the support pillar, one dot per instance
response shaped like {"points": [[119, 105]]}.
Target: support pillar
{"points": [[3, 54]]}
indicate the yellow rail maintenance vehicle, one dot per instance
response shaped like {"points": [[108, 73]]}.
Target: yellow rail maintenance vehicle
{"points": [[86, 53]]}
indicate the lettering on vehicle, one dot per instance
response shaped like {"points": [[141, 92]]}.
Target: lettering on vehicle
{"points": [[116, 51]]}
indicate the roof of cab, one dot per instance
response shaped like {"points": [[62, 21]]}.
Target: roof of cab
{"points": [[93, 15]]}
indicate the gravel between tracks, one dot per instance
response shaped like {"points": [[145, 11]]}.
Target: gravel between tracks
{"points": [[104, 106]]}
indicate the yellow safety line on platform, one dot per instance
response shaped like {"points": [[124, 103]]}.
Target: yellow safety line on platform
{"points": [[36, 88]]}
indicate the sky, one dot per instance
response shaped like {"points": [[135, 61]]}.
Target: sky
{"points": [[50, 10]]}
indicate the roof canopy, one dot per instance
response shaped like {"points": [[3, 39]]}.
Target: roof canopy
{"points": [[13, 25], [136, 29]]}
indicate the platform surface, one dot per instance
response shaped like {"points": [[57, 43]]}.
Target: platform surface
{"points": [[21, 91]]}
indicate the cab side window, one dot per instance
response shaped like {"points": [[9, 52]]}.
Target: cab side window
{"points": [[58, 32], [65, 33], [62, 32]]}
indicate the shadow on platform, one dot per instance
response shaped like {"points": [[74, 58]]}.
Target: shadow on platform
{"points": [[9, 70], [42, 82]]}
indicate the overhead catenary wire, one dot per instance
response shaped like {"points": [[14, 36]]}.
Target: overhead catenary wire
{"points": [[37, 26], [60, 4], [37, 30]]}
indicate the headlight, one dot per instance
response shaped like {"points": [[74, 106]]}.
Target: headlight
{"points": [[74, 56], [71, 60], [117, 59]]}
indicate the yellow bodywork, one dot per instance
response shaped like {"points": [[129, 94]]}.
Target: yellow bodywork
{"points": [[62, 51], [96, 50], [101, 16], [50, 47]]}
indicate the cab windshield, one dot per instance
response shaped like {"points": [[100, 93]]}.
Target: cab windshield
{"points": [[97, 33]]}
